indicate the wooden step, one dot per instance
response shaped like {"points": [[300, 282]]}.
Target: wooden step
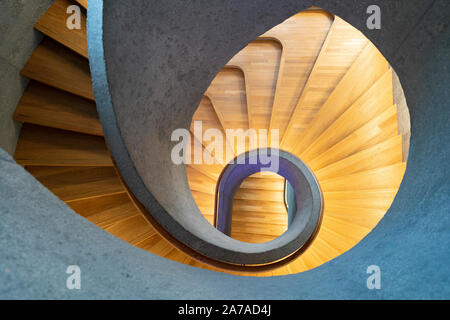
{"points": [[372, 133], [227, 94], [54, 25], [367, 68], [55, 65], [372, 103], [275, 218], [381, 178], [206, 203], [50, 107], [301, 37], [270, 185], [42, 146], [365, 217], [132, 230], [200, 182], [381, 155], [75, 183], [105, 211], [259, 228], [340, 50], [208, 128], [161, 247], [373, 199], [349, 229], [259, 206], [260, 61]]}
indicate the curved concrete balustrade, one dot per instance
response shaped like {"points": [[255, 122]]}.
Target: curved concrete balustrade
{"points": [[138, 130], [40, 237], [308, 194], [150, 71]]}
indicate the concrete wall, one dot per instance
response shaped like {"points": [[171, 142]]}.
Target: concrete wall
{"points": [[40, 236], [18, 40]]}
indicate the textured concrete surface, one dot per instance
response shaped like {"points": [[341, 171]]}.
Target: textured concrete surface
{"points": [[18, 40], [39, 236]]}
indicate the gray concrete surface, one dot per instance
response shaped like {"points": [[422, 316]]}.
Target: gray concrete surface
{"points": [[17, 42], [40, 237]]}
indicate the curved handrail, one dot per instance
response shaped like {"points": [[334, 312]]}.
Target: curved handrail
{"points": [[305, 185]]}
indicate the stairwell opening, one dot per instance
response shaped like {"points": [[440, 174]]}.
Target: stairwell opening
{"points": [[336, 103]]}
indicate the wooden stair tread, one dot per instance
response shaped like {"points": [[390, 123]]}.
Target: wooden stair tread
{"points": [[371, 104], [107, 210], [132, 230], [381, 155], [53, 24], [42, 146], [74, 183], [373, 132], [381, 178], [200, 182], [368, 68], [260, 61], [341, 48], [47, 106], [53, 64], [302, 37]]}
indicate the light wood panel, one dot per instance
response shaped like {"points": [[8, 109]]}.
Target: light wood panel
{"points": [[50, 107], [375, 199], [371, 104], [373, 132], [74, 183], [53, 64], [209, 130], [200, 182], [228, 96], [383, 154], [53, 24], [260, 61], [341, 48], [107, 210], [381, 178], [132, 230], [367, 68], [301, 37], [42, 146], [259, 213]]}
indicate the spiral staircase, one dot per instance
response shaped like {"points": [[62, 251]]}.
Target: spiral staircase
{"points": [[316, 79]]}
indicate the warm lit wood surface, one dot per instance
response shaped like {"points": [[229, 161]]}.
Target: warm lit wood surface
{"points": [[54, 65], [50, 107], [302, 37], [54, 24], [43, 146]]}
